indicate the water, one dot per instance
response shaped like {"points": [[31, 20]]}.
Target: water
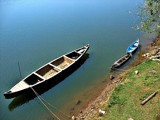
{"points": [[35, 32]]}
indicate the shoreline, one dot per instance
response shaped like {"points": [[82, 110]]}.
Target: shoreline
{"points": [[93, 107], [97, 104]]}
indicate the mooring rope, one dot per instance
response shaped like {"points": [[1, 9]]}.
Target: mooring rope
{"points": [[45, 104], [50, 104]]}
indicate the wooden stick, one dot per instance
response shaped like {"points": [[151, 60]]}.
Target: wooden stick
{"points": [[19, 70], [148, 98]]}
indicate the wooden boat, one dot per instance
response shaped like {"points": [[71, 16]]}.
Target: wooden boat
{"points": [[132, 48], [121, 61], [47, 72]]}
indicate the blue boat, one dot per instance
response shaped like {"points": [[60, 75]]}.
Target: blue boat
{"points": [[132, 48]]}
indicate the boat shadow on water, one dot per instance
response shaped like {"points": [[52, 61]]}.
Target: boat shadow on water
{"points": [[26, 97]]}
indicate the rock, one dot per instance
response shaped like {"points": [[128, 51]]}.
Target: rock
{"points": [[81, 111], [136, 72], [146, 55], [153, 71], [130, 119], [78, 102], [73, 117], [153, 44], [92, 107], [82, 117], [154, 52], [101, 112], [111, 77]]}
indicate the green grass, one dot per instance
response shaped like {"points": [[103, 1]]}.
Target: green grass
{"points": [[125, 101]]}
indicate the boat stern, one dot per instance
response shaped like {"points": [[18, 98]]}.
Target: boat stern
{"points": [[16, 90], [9, 94]]}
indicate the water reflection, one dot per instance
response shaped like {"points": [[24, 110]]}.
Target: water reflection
{"points": [[25, 98], [20, 100]]}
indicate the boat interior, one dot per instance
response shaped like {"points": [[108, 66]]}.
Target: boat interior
{"points": [[73, 55], [62, 62], [50, 69], [54, 67], [32, 79]]}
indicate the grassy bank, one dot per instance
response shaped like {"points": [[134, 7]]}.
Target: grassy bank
{"points": [[125, 101], [121, 98]]}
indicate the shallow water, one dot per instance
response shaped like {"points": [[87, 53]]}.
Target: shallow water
{"points": [[35, 32]]}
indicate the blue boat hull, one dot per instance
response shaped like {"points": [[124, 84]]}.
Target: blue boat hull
{"points": [[133, 47]]}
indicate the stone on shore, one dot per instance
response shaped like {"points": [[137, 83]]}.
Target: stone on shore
{"points": [[111, 77], [136, 72], [101, 112], [130, 119], [73, 117]]}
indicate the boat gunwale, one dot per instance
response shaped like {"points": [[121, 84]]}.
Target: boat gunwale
{"points": [[131, 51], [57, 59], [125, 58], [85, 47]]}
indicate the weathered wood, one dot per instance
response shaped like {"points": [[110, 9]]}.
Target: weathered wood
{"points": [[148, 98], [51, 72]]}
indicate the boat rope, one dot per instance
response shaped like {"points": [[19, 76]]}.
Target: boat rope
{"points": [[50, 104], [45, 105]]}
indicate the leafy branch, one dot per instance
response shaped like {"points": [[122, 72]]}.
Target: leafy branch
{"points": [[150, 16]]}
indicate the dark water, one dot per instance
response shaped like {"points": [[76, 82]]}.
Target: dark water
{"points": [[33, 32]]}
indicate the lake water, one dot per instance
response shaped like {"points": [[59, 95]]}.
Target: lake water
{"points": [[33, 32]]}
